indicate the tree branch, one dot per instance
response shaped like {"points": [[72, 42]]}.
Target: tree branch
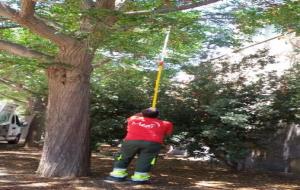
{"points": [[22, 51], [34, 24], [97, 65], [27, 8], [247, 47], [168, 10], [106, 4], [87, 4], [85, 22], [18, 87], [12, 98]]}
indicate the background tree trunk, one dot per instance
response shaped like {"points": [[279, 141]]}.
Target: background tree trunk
{"points": [[36, 125], [35, 131], [66, 149]]}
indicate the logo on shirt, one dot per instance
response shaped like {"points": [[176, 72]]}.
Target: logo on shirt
{"points": [[147, 126]]}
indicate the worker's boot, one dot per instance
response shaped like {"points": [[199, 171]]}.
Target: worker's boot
{"points": [[117, 175], [140, 178]]}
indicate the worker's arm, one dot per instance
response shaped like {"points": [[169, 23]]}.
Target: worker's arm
{"points": [[169, 128]]}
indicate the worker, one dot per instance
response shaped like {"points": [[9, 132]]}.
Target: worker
{"points": [[145, 135]]}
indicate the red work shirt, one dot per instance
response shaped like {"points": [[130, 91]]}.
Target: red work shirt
{"points": [[148, 129]]}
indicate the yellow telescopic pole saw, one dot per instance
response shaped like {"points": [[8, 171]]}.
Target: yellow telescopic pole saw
{"points": [[160, 69]]}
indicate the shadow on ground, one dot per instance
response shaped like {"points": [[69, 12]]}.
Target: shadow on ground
{"points": [[18, 165]]}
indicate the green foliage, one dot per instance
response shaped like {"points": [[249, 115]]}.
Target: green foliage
{"points": [[230, 115], [250, 20], [28, 39], [287, 97], [65, 15], [143, 36], [285, 17], [21, 70], [114, 31]]}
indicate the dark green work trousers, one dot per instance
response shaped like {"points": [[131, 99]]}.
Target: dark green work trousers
{"points": [[147, 153]]}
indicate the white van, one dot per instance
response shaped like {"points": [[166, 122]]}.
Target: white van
{"points": [[10, 125]]}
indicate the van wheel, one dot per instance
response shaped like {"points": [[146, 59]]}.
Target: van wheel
{"points": [[16, 141]]}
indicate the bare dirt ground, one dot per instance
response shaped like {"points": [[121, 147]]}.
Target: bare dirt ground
{"points": [[18, 165]]}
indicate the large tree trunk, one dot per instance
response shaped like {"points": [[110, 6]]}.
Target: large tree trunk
{"points": [[66, 151]]}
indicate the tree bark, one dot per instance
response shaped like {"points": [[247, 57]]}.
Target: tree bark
{"points": [[172, 9], [66, 149], [36, 126], [35, 131]]}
